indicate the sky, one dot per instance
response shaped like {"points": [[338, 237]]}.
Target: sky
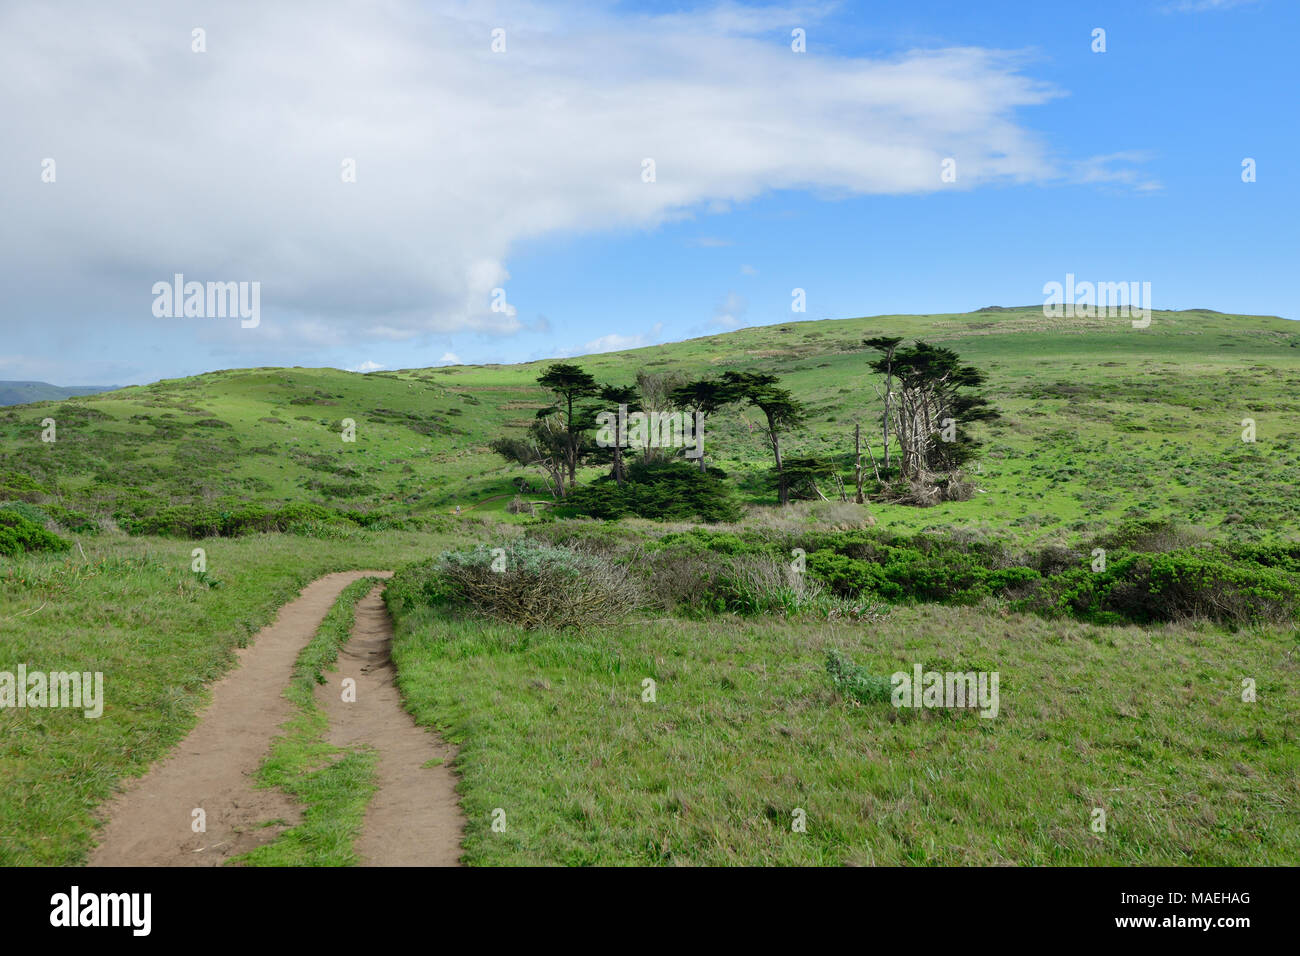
{"points": [[406, 183]]}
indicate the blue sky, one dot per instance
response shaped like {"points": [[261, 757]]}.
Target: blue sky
{"points": [[775, 170]]}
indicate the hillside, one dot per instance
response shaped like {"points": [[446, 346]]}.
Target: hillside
{"points": [[1100, 422]]}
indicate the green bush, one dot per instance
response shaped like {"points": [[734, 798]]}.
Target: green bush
{"points": [[855, 682], [32, 513], [224, 520], [669, 490], [1150, 588], [15, 484], [77, 522], [20, 536]]}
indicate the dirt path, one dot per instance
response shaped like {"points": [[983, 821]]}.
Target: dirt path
{"points": [[414, 819], [149, 823]]}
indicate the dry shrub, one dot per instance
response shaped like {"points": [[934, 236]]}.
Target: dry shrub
{"points": [[931, 490], [521, 506], [535, 585]]}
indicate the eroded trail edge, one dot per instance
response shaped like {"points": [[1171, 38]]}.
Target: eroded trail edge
{"points": [[414, 818]]}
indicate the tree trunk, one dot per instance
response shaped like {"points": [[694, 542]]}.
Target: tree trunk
{"points": [[573, 448], [857, 468], [886, 428], [783, 493], [618, 448]]}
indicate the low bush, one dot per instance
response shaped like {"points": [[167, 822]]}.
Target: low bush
{"points": [[855, 682], [668, 490], [227, 521], [32, 513], [1170, 586], [78, 522], [21, 536], [535, 585]]}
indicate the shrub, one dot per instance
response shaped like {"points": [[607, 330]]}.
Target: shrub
{"points": [[519, 505], [15, 484], [855, 682], [536, 585], [1171, 586], [224, 520], [20, 536], [666, 490], [77, 522], [688, 575], [32, 513]]}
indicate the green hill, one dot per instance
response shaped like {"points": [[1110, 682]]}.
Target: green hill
{"points": [[1100, 422]]}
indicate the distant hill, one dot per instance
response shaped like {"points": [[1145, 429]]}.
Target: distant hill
{"points": [[1101, 423], [21, 393]]}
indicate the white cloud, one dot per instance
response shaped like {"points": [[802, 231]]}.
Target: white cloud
{"points": [[1199, 6], [614, 343], [226, 165], [450, 358], [729, 313], [1114, 168], [748, 270], [368, 366]]}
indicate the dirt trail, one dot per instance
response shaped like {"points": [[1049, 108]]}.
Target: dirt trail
{"points": [[414, 819], [149, 823]]}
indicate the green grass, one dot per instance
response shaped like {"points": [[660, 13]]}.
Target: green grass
{"points": [[159, 633], [1101, 422], [1146, 724], [332, 784]]}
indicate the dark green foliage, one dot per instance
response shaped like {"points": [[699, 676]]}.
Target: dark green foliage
{"points": [[77, 522], [203, 521], [15, 484], [804, 476], [1234, 586], [669, 490], [20, 536], [32, 513], [1149, 588]]}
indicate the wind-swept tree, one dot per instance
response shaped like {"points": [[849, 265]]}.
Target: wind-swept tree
{"points": [[802, 475], [886, 345], [780, 408], [570, 384], [933, 408], [545, 447]]}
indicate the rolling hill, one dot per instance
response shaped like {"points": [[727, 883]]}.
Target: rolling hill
{"points": [[1101, 422]]}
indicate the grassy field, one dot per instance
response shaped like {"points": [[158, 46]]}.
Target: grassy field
{"points": [[134, 610], [746, 728], [1101, 424]]}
